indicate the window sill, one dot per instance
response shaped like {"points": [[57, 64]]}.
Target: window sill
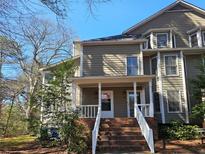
{"points": [[175, 112]]}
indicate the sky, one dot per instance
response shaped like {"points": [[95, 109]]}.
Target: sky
{"points": [[114, 17], [108, 19]]}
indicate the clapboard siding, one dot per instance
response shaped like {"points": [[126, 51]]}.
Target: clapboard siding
{"points": [[108, 60], [193, 63], [180, 21]]}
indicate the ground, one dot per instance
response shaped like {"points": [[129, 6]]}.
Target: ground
{"points": [[28, 145]]}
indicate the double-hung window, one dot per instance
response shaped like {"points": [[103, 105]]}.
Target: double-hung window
{"points": [[162, 40], [174, 101], [132, 66], [171, 65], [194, 40]]}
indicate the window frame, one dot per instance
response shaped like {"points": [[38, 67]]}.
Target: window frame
{"points": [[203, 38], [157, 40], [177, 65], [190, 39], [126, 62], [180, 102]]}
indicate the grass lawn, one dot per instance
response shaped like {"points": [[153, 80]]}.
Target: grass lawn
{"points": [[26, 144], [14, 142]]}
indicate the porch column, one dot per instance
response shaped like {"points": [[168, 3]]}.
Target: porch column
{"points": [[99, 94], [151, 107], [135, 98]]}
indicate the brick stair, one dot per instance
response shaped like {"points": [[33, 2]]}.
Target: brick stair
{"points": [[120, 135]]}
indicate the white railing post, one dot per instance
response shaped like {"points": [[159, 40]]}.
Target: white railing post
{"points": [[99, 93], [97, 121], [135, 97], [147, 132], [151, 107]]}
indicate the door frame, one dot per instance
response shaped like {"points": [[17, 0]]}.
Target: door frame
{"points": [[111, 115], [142, 99]]}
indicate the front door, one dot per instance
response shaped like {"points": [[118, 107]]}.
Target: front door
{"points": [[130, 101], [107, 104]]}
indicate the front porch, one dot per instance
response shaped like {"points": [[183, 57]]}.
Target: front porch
{"points": [[111, 97], [117, 96]]}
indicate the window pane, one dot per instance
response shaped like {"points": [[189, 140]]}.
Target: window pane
{"points": [[173, 101], [156, 101], [171, 65], [161, 40], [132, 66], [194, 41], [154, 65]]}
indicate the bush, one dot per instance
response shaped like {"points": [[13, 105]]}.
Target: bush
{"points": [[179, 131]]}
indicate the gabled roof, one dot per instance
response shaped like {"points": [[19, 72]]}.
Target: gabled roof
{"points": [[182, 2]]}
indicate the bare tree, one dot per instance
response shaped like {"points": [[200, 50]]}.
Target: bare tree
{"points": [[39, 44]]}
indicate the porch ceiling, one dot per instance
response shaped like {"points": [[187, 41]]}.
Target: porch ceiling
{"points": [[113, 79]]}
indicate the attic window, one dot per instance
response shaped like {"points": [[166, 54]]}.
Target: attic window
{"points": [[194, 40], [162, 40]]}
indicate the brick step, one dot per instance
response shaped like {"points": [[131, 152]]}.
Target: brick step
{"points": [[121, 142], [112, 133], [121, 137], [123, 148], [118, 120], [129, 129], [106, 125]]}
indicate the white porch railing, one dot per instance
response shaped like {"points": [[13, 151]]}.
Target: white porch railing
{"points": [[145, 129], [145, 109], [88, 111], [96, 130]]}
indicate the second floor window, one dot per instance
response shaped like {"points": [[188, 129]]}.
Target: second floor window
{"points": [[171, 65], [162, 40], [194, 40], [132, 66]]}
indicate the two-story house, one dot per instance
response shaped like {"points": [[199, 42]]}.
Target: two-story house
{"points": [[143, 72]]}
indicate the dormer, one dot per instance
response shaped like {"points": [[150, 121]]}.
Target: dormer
{"points": [[160, 38], [197, 37]]}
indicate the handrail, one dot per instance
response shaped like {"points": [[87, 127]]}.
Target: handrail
{"points": [[147, 132], [96, 130]]}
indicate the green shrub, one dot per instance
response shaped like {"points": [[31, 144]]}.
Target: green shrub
{"points": [[177, 130]]}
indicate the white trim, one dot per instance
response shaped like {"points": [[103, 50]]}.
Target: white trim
{"points": [[141, 60], [197, 9], [184, 87], [138, 63], [160, 87], [199, 39], [152, 40], [171, 41], [135, 98], [81, 61], [151, 109], [180, 101], [177, 64], [175, 42], [157, 40]]}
